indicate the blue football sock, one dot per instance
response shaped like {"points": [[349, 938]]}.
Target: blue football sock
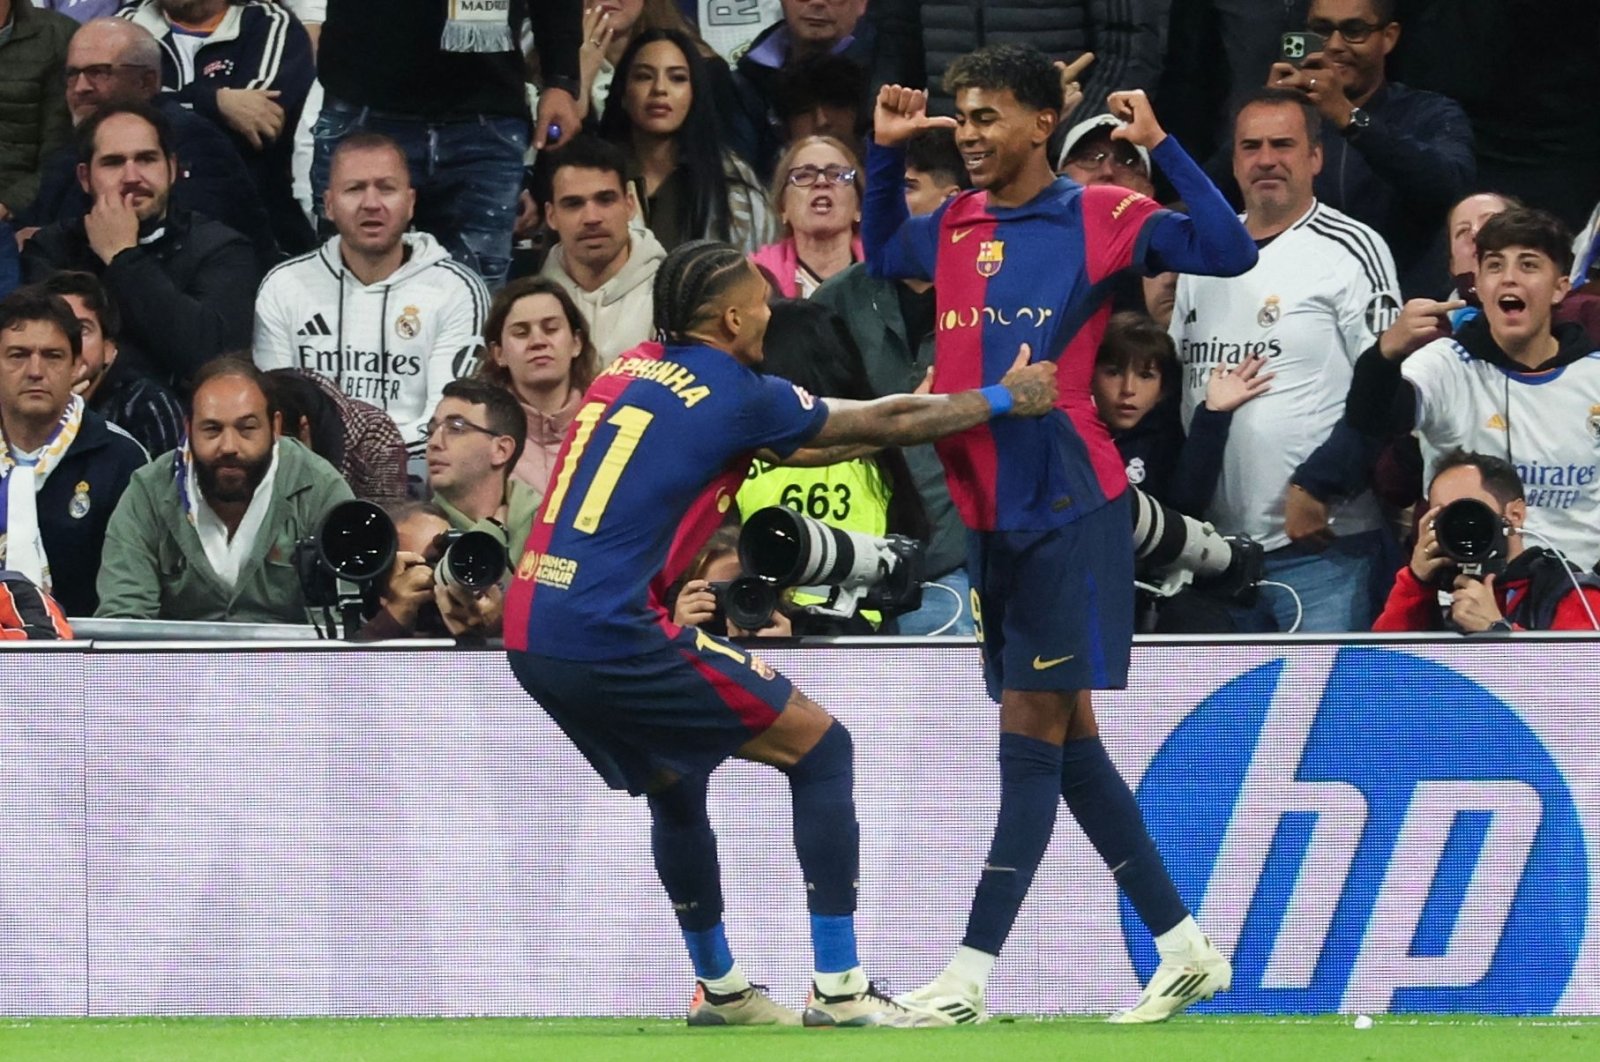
{"points": [[708, 950], [1104, 806], [827, 839], [685, 852], [1030, 790]]}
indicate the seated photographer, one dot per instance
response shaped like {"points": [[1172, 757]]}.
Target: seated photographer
{"points": [[701, 600], [475, 438], [207, 532], [807, 344], [1517, 589], [414, 603], [698, 602]]}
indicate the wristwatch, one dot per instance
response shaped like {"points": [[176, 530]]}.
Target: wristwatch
{"points": [[1360, 121]]}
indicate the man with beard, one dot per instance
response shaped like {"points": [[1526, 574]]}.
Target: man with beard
{"points": [[207, 532], [183, 284]]}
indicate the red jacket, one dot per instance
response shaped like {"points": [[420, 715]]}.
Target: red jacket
{"points": [[1412, 606]]}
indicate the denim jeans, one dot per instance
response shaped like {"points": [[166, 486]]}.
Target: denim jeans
{"points": [[467, 174], [1336, 587], [939, 608]]}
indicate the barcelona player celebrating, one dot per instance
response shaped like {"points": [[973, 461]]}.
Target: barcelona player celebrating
{"points": [[1025, 257], [655, 707]]}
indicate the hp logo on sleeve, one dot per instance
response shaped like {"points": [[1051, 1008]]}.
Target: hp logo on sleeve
{"points": [[1377, 834]]}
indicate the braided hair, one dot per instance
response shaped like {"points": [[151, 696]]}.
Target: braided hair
{"points": [[693, 275]]}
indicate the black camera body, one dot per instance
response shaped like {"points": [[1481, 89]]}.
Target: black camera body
{"points": [[747, 602], [1473, 535]]}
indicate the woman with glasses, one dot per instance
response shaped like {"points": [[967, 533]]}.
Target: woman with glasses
{"points": [[816, 191], [537, 347], [662, 113]]}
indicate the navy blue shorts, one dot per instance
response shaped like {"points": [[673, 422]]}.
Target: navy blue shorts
{"points": [[1054, 609], [667, 713]]}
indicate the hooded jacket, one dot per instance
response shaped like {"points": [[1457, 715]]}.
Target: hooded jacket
{"points": [[620, 312], [394, 343], [1464, 393]]}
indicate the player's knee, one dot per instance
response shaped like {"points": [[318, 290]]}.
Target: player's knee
{"points": [[833, 755], [1041, 714], [681, 805]]}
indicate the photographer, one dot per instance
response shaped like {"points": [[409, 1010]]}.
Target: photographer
{"points": [[1533, 591], [414, 604], [698, 603]]}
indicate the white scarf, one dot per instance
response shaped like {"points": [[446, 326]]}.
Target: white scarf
{"points": [[478, 26], [21, 543], [226, 555]]}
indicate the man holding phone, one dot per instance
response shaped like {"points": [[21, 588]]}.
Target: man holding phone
{"points": [[1395, 158]]}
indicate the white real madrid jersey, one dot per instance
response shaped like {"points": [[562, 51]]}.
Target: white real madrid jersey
{"points": [[1319, 295], [394, 344], [1545, 423]]}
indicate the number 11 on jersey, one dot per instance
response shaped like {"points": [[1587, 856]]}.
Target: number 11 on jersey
{"points": [[630, 422]]}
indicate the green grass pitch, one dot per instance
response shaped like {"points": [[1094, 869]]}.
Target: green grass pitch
{"points": [[1404, 1038]]}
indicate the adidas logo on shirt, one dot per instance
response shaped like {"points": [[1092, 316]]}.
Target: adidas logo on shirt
{"points": [[316, 326], [1191, 317]]}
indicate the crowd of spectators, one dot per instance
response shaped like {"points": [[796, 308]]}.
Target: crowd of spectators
{"points": [[261, 256]]}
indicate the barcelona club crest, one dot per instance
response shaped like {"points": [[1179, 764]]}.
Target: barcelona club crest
{"points": [[991, 256]]}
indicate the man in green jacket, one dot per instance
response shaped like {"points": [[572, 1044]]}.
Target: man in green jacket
{"points": [[207, 532], [474, 439], [33, 110]]}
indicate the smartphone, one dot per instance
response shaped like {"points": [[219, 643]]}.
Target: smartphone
{"points": [[1297, 46]]}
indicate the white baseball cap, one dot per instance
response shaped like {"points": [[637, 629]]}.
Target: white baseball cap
{"points": [[1091, 125]]}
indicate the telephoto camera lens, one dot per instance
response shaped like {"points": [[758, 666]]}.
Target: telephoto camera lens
{"points": [[356, 541], [473, 560], [1470, 532]]}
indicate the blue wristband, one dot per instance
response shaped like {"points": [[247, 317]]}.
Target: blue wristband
{"points": [[999, 399]]}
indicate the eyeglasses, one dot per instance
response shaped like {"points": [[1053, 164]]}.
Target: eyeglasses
{"points": [[454, 427], [97, 73], [1353, 30], [806, 176], [1093, 160]]}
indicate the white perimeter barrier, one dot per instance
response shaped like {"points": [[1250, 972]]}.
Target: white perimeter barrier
{"points": [[1372, 826]]}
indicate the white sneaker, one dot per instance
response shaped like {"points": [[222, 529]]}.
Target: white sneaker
{"points": [[954, 1002], [864, 1008], [1178, 983], [750, 1007]]}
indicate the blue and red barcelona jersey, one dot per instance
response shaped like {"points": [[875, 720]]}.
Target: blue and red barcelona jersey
{"points": [[1033, 274], [656, 434]]}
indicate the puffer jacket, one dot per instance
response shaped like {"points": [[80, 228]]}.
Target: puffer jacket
{"points": [[1128, 38], [33, 105]]}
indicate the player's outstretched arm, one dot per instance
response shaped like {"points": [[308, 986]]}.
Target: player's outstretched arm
{"points": [[905, 420]]}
